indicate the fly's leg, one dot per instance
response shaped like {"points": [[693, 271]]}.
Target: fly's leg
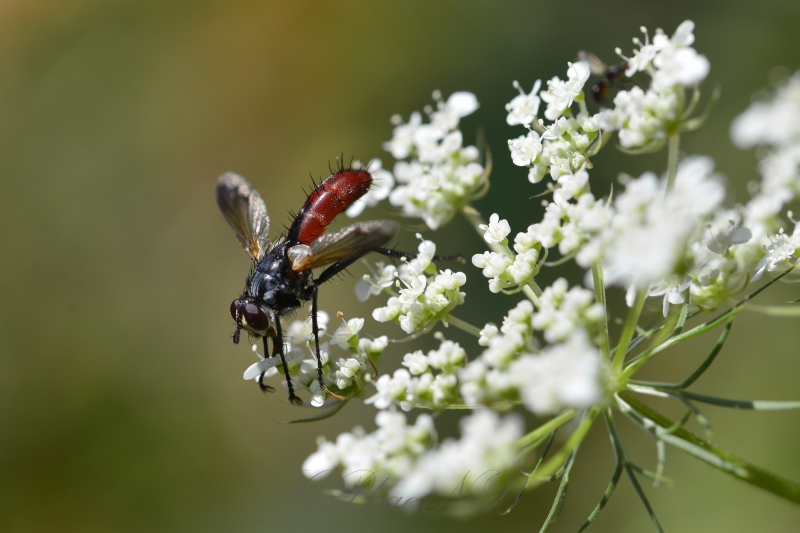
{"points": [[277, 349], [263, 386], [395, 254], [315, 329]]}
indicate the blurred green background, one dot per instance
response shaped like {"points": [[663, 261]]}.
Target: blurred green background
{"points": [[122, 407]]}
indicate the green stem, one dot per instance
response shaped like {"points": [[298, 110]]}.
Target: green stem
{"points": [[672, 159], [775, 310], [634, 365], [533, 293], [703, 450], [556, 461], [546, 428], [627, 331], [462, 325], [714, 322], [600, 297]]}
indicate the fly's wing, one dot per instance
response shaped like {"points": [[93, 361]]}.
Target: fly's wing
{"points": [[596, 65], [349, 242], [245, 211]]}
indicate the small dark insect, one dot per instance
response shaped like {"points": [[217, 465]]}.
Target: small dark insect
{"points": [[281, 280], [611, 76]]}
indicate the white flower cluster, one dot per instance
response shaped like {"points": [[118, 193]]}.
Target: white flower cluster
{"points": [[423, 299], [560, 149], [508, 272], [570, 225], [417, 384], [486, 380], [487, 448], [645, 118], [775, 124], [565, 311], [668, 240], [512, 368], [436, 174], [668, 237], [385, 276], [780, 251], [403, 458], [716, 260], [650, 227], [567, 373], [388, 451], [345, 376]]}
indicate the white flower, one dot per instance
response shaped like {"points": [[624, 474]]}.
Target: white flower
{"points": [[372, 285], [771, 122], [650, 232], [488, 332], [320, 463], [458, 105], [267, 366], [672, 288], [388, 451], [318, 396], [675, 62], [492, 263], [424, 301], [730, 236], [445, 175], [641, 117], [300, 331], [374, 346], [679, 66], [564, 375], [561, 94], [524, 107], [346, 331], [564, 312], [496, 231], [781, 250], [402, 138], [488, 443], [642, 57], [416, 362], [391, 389], [525, 150], [449, 355]]}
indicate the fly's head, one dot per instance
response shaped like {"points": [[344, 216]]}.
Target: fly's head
{"points": [[251, 317]]}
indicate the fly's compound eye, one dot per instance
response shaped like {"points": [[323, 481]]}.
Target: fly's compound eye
{"points": [[235, 307], [254, 318]]}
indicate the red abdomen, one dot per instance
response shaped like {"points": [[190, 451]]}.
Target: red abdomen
{"points": [[334, 195]]}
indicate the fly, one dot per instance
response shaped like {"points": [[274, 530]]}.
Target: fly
{"points": [[610, 76], [281, 280]]}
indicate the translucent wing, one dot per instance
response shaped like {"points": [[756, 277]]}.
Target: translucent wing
{"points": [[246, 213], [349, 242], [596, 65]]}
